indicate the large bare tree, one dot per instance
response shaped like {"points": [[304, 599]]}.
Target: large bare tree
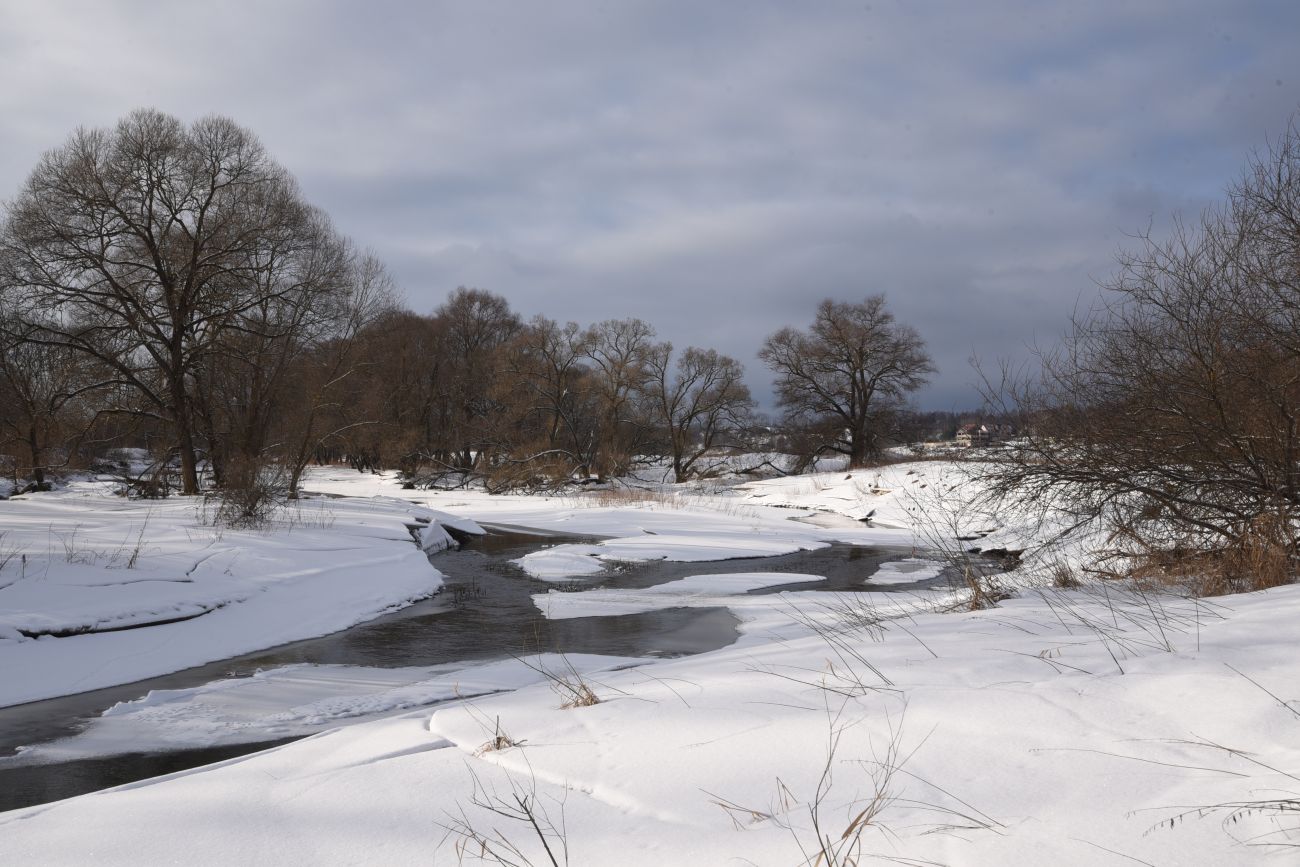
{"points": [[846, 374], [146, 245]]}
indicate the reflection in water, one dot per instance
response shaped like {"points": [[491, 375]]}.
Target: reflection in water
{"points": [[485, 612]]}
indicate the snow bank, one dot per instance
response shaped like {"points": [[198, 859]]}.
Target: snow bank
{"points": [[291, 701], [1018, 735], [563, 562], [442, 530], [96, 590]]}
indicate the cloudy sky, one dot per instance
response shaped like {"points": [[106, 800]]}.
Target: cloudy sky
{"points": [[715, 168]]}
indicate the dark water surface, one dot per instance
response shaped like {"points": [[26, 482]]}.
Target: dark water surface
{"points": [[485, 612]]}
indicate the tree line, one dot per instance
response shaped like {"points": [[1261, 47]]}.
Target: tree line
{"points": [[167, 285], [472, 390]]}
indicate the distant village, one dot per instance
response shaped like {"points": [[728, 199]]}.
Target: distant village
{"points": [[954, 429], [978, 434]]}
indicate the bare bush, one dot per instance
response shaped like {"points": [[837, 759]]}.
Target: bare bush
{"points": [[1172, 410], [1260, 557], [252, 493]]}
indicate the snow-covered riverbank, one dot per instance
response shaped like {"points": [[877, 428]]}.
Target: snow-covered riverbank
{"points": [[96, 590], [82, 571], [1083, 726]]}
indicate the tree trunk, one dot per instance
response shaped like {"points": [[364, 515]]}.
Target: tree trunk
{"points": [[679, 472], [184, 436], [858, 449], [38, 465]]}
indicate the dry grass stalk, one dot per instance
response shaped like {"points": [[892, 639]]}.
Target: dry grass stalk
{"points": [[478, 838], [1063, 576], [1263, 555], [500, 741], [580, 695], [1277, 825], [568, 684], [827, 837], [8, 552], [630, 497]]}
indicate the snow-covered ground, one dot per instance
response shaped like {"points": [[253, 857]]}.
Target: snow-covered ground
{"points": [[1086, 726], [81, 570], [97, 590]]}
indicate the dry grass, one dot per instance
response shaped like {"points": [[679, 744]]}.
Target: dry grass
{"points": [[615, 497], [654, 497], [834, 824], [475, 830], [125, 556], [941, 521], [1062, 576], [1127, 620], [1269, 823], [478, 836], [579, 695], [8, 552], [1262, 556], [499, 741], [567, 683]]}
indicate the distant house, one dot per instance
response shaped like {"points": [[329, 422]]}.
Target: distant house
{"points": [[980, 434], [976, 434]]}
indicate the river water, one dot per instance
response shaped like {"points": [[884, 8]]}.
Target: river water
{"points": [[485, 612]]}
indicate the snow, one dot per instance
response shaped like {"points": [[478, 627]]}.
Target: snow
{"points": [[694, 591], [909, 570], [1089, 726], [84, 567], [564, 562], [746, 519], [289, 701], [1023, 734]]}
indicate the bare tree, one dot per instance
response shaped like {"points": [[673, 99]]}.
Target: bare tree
{"points": [[252, 389], [620, 351], [845, 374], [1173, 407], [397, 383], [475, 326], [547, 387], [48, 397], [332, 356], [701, 403], [146, 245]]}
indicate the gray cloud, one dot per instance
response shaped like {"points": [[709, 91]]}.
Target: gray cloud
{"points": [[713, 168]]}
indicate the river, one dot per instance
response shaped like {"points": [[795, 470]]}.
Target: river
{"points": [[484, 612]]}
